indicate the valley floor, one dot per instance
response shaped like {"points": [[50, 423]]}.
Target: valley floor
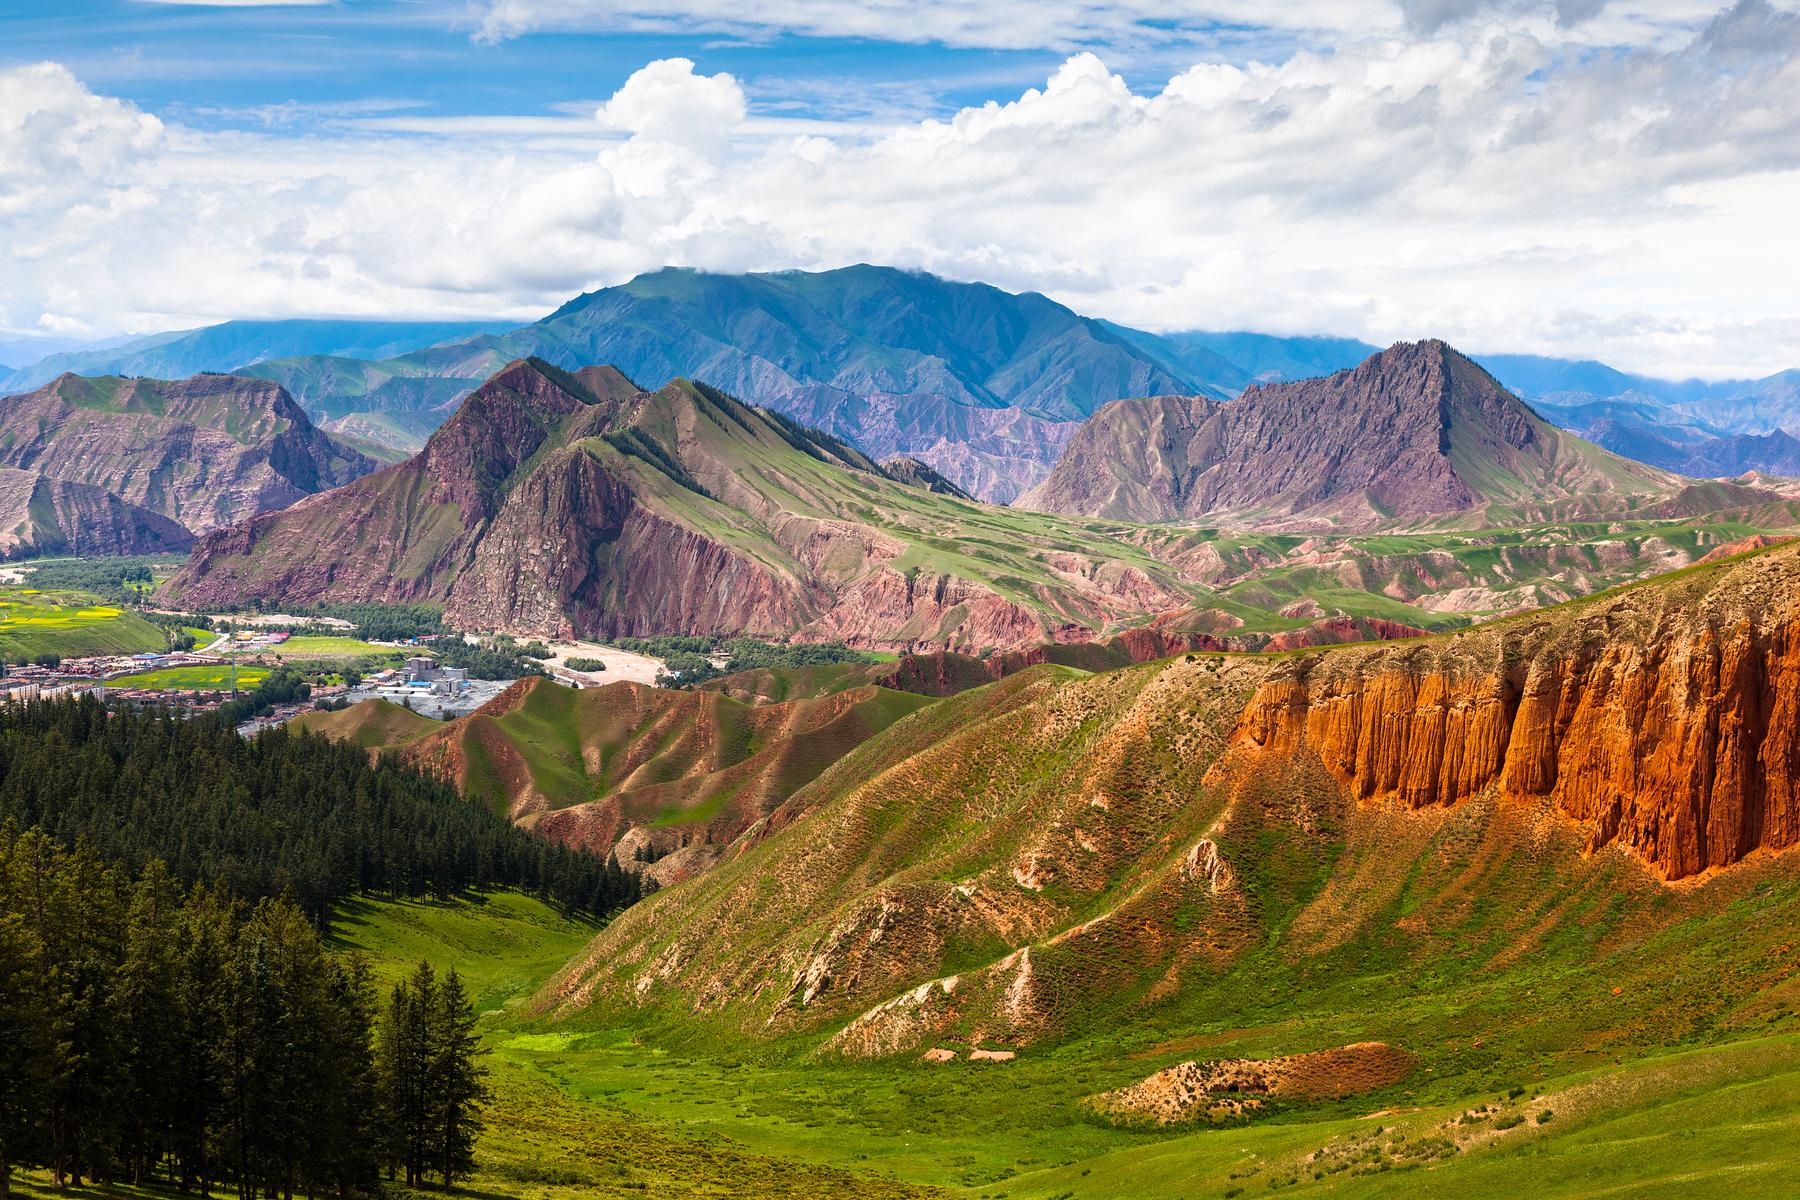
{"points": [[618, 1111]]}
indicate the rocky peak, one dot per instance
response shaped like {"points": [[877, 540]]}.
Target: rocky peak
{"points": [[496, 431], [1415, 430]]}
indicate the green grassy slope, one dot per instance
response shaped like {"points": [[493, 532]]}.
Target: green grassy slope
{"points": [[502, 943], [610, 1109], [372, 724]]}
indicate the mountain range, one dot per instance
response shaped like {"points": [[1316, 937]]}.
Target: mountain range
{"points": [[177, 459], [1361, 505], [561, 503], [984, 386], [233, 345], [980, 384]]}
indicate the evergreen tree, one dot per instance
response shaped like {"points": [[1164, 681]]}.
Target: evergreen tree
{"points": [[406, 1059], [282, 813], [24, 1041], [146, 987], [458, 1081]]}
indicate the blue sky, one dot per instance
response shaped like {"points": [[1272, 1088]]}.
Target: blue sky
{"points": [[221, 65], [1607, 178]]}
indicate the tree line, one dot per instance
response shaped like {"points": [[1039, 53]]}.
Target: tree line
{"points": [[284, 813], [150, 1032]]}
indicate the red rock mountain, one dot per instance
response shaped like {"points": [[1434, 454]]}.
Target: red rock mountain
{"points": [[204, 452], [1416, 431], [553, 504]]}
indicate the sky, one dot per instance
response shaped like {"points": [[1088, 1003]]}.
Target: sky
{"points": [[1615, 179]]}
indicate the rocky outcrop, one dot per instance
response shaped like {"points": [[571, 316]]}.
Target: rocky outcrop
{"points": [[204, 452], [1415, 431], [913, 473], [1192, 1090], [1666, 720]]}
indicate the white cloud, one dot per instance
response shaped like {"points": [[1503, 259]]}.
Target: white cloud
{"points": [[1075, 24], [1483, 184], [1056, 24]]}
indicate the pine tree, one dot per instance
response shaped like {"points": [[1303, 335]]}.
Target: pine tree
{"points": [[207, 935], [458, 1082], [145, 989], [24, 1042], [405, 1072], [346, 1155]]}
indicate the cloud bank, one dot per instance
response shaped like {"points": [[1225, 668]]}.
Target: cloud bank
{"points": [[1484, 184]]}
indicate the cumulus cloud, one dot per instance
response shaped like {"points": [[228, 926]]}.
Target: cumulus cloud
{"points": [[667, 103], [1496, 190]]}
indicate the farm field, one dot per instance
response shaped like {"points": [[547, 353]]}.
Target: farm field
{"points": [[70, 624], [201, 678], [305, 646]]}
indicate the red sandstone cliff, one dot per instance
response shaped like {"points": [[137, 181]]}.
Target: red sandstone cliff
{"points": [[1667, 719]]}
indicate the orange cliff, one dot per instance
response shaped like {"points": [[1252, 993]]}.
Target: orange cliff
{"points": [[1665, 717]]}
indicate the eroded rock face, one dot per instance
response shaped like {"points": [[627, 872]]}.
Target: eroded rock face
{"points": [[43, 516], [1670, 728], [1193, 1090]]}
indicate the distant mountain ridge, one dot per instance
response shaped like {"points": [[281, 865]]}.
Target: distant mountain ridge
{"points": [[1642, 428], [984, 386], [233, 345], [978, 383]]}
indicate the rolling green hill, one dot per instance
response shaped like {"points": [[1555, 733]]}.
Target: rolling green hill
{"points": [[664, 779]]}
